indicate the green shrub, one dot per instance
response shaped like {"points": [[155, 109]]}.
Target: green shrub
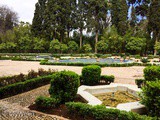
{"points": [[64, 86], [150, 97], [152, 73], [107, 79], [100, 112], [139, 82], [16, 88], [144, 60], [45, 102], [91, 75]]}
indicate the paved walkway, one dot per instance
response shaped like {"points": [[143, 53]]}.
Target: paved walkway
{"points": [[125, 75]]}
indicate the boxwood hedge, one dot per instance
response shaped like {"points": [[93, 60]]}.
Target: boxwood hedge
{"points": [[16, 88], [100, 112]]}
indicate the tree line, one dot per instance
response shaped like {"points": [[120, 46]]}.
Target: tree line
{"points": [[103, 26]]}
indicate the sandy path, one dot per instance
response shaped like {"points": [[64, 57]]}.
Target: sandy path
{"points": [[122, 74]]}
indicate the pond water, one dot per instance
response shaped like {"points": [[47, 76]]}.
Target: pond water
{"points": [[92, 60]]}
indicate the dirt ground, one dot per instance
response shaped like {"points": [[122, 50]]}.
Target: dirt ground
{"points": [[126, 75]]}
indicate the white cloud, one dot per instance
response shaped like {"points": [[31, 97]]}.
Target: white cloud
{"points": [[24, 8]]}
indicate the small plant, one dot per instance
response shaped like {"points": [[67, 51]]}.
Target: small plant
{"points": [[144, 60], [45, 102], [107, 79], [139, 82], [32, 74]]}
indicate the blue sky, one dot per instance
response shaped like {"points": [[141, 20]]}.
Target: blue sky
{"points": [[24, 8]]}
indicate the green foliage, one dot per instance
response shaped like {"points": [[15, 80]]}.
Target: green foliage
{"points": [[135, 44], [144, 60], [119, 14], [152, 73], [107, 79], [91, 75], [21, 87], [64, 86], [150, 97], [55, 46], [72, 46], [64, 48], [139, 82], [102, 46], [100, 112], [45, 102], [87, 48]]}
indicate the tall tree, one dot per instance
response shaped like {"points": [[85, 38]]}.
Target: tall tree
{"points": [[81, 17], [97, 16], [38, 20], [154, 24], [8, 19], [119, 14]]}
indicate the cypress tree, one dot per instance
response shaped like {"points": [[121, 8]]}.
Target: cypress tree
{"points": [[38, 20], [96, 16], [154, 20], [119, 15]]}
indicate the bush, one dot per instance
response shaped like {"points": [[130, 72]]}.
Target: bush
{"points": [[152, 73], [32, 74], [45, 102], [21, 87], [107, 79], [64, 86], [100, 112], [144, 60], [150, 97], [91, 75], [139, 82]]}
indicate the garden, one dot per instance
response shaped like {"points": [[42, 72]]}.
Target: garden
{"points": [[63, 100]]}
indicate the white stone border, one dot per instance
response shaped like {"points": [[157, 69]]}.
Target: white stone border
{"points": [[87, 93]]}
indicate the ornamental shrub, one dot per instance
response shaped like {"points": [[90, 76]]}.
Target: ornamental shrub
{"points": [[108, 79], [150, 97], [45, 102], [100, 112], [64, 86], [91, 75], [152, 73]]}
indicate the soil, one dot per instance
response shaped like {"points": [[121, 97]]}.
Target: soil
{"points": [[61, 111]]}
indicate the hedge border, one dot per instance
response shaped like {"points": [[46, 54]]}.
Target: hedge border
{"points": [[20, 87], [99, 64], [100, 112]]}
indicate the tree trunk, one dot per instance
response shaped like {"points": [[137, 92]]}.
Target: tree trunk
{"points": [[81, 35], [96, 40], [155, 51]]}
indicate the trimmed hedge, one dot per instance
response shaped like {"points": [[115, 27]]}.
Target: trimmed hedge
{"points": [[100, 112], [7, 80], [21, 87], [108, 79], [150, 97], [45, 102], [64, 86], [152, 73], [91, 75], [99, 64]]}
